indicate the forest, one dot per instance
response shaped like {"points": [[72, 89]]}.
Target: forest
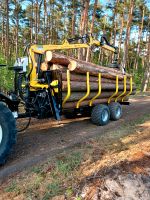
{"points": [[125, 23]]}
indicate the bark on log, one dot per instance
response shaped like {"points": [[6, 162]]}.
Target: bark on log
{"points": [[82, 78], [54, 58], [75, 96], [83, 67], [81, 86], [86, 102]]}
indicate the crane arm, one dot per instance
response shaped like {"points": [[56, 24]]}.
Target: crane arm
{"points": [[82, 42]]}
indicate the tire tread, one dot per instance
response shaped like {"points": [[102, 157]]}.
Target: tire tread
{"points": [[12, 133]]}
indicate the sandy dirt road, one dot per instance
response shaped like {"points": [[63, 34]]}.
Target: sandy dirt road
{"points": [[46, 138]]}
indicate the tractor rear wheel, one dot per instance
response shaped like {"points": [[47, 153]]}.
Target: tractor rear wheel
{"points": [[7, 132], [100, 115], [115, 111]]}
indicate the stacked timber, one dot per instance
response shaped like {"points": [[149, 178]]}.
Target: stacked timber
{"points": [[78, 70]]}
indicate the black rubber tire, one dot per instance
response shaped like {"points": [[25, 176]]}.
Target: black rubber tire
{"points": [[97, 115], [8, 132], [115, 111]]}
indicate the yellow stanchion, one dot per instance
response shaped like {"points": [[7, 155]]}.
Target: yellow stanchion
{"points": [[116, 92], [68, 88], [125, 88], [99, 90], [88, 90], [131, 88]]}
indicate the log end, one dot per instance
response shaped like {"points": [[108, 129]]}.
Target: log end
{"points": [[48, 56], [72, 65]]}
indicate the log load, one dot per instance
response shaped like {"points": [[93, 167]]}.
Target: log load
{"points": [[81, 77], [86, 102], [79, 66], [81, 86], [59, 64], [75, 96], [82, 67]]}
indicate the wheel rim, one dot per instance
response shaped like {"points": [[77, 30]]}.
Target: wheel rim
{"points": [[1, 134], [118, 112], [104, 115]]}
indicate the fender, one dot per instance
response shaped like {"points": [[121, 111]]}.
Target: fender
{"points": [[11, 101]]}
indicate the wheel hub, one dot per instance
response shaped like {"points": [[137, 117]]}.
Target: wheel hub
{"points": [[118, 112], [1, 134], [105, 115]]}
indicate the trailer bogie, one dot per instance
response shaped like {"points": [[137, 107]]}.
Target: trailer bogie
{"points": [[100, 115], [115, 111]]}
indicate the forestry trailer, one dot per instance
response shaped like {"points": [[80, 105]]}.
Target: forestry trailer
{"points": [[43, 85]]}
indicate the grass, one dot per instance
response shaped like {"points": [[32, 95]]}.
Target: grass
{"points": [[53, 189], [13, 187], [68, 164], [36, 170]]}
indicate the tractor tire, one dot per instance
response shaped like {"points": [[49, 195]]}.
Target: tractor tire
{"points": [[115, 111], [7, 132], [100, 115]]}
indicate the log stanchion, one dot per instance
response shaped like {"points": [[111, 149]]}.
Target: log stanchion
{"points": [[116, 92], [99, 90], [88, 90]]}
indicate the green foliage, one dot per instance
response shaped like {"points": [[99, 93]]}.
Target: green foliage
{"points": [[12, 187], [68, 164], [36, 170], [6, 76], [53, 189]]}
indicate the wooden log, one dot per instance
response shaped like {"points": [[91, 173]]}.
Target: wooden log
{"points": [[82, 78], [73, 63], [83, 67], [86, 102], [54, 58], [60, 68], [77, 77], [75, 96], [81, 86]]}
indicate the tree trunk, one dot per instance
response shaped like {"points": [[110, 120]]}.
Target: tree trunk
{"points": [[31, 23], [121, 31], [7, 30], [36, 21], [83, 24], [91, 29], [17, 29], [146, 79], [139, 39], [45, 22], [115, 22], [128, 27], [73, 19]]}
